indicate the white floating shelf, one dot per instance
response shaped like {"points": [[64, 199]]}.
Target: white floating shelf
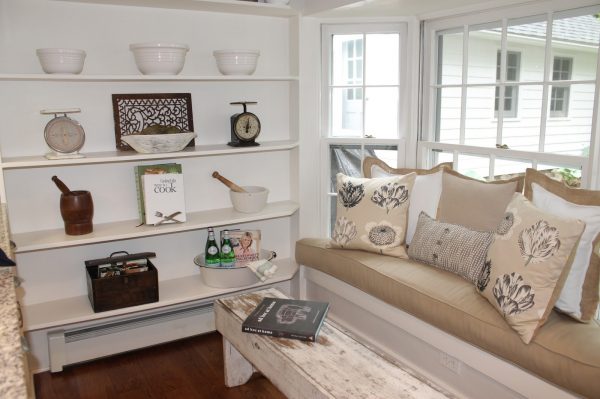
{"points": [[228, 6], [141, 78], [125, 230], [128, 156], [171, 292]]}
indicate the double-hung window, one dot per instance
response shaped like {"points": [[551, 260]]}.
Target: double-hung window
{"points": [[540, 63], [559, 99], [511, 93], [362, 115]]}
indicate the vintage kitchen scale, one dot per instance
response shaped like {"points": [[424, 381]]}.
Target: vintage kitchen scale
{"points": [[245, 127], [64, 136]]}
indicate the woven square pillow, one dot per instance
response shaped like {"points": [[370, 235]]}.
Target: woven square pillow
{"points": [[451, 247], [473, 203], [372, 213], [580, 294], [426, 191], [528, 263]]}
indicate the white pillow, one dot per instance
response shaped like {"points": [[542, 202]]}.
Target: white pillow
{"points": [[425, 197], [571, 294]]}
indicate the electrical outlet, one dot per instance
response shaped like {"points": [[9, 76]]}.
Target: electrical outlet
{"points": [[451, 363]]}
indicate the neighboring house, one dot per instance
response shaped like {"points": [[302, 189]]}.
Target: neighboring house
{"points": [[570, 105]]}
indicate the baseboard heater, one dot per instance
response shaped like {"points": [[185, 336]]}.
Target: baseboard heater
{"points": [[76, 345]]}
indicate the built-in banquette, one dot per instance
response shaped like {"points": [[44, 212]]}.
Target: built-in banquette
{"points": [[497, 295]]}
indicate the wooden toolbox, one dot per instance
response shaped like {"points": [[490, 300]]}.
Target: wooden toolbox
{"points": [[115, 282]]}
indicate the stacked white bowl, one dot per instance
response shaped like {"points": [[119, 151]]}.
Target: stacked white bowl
{"points": [[61, 60], [159, 58], [236, 62]]}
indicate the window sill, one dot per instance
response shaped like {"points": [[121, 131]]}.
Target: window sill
{"points": [[509, 120], [559, 119]]}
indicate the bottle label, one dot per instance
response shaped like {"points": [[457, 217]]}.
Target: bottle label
{"points": [[213, 250], [226, 249]]}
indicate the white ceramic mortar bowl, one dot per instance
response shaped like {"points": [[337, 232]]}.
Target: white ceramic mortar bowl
{"points": [[253, 201]]}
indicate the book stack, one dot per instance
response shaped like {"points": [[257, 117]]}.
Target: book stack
{"points": [[160, 193], [287, 318]]}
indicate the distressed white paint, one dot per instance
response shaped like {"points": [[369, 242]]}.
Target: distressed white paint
{"points": [[336, 366], [420, 345], [237, 369]]}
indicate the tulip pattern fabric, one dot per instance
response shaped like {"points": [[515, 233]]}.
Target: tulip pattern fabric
{"points": [[372, 214], [527, 264]]}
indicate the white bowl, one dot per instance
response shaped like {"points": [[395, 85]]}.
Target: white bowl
{"points": [[159, 58], [254, 200], [236, 62], [61, 60], [281, 2], [158, 143]]}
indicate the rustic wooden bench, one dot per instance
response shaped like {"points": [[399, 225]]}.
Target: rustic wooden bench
{"points": [[336, 366]]}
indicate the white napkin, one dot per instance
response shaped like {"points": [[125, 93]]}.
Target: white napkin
{"points": [[262, 268]]}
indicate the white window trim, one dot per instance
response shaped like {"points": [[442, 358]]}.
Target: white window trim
{"points": [[327, 30], [590, 166]]}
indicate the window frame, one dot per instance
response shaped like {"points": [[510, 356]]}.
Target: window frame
{"points": [[326, 140], [427, 146]]}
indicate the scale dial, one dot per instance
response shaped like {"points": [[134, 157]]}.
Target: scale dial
{"points": [[246, 126], [64, 135]]}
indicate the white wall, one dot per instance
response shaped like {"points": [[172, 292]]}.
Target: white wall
{"points": [[105, 33]]}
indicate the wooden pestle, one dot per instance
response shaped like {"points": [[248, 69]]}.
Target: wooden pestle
{"points": [[228, 183], [61, 186]]}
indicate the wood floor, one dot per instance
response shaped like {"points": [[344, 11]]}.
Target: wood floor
{"points": [[190, 368]]}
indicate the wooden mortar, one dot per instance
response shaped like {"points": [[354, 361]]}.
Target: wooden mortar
{"points": [[76, 209]]}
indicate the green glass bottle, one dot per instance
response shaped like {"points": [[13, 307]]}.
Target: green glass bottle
{"points": [[227, 254], [211, 253]]}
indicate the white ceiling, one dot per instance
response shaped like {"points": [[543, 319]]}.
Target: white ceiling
{"points": [[378, 8]]}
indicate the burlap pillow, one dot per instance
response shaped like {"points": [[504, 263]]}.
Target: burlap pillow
{"points": [[473, 203], [372, 214], [528, 263], [451, 247]]}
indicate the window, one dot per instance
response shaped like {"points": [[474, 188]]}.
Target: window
{"points": [[559, 99], [513, 66], [362, 85], [532, 75]]}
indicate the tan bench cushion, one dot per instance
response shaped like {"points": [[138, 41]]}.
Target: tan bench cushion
{"points": [[564, 352]]}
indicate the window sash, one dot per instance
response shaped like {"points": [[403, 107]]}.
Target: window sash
{"points": [[431, 87], [358, 88]]}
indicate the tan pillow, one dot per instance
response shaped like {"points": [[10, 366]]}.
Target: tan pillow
{"points": [[375, 167], [473, 203], [579, 296], [528, 263], [372, 213]]}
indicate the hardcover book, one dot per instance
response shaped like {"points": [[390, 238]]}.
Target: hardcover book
{"points": [[141, 170], [164, 200], [287, 318]]}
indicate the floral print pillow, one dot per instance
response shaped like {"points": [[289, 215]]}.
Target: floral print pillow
{"points": [[372, 213], [527, 264]]}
